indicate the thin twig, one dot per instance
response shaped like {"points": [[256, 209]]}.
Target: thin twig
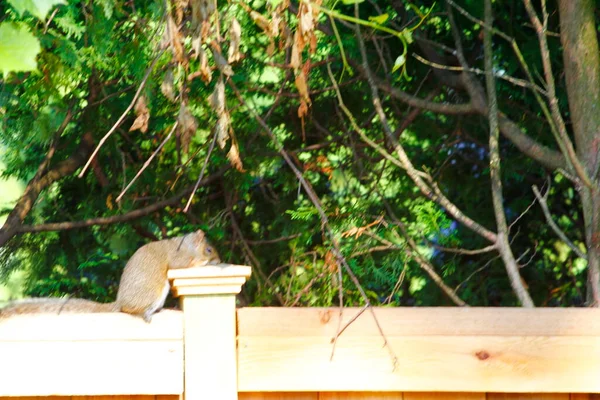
{"points": [[122, 117], [314, 198], [210, 149], [147, 162], [508, 78], [543, 200]]}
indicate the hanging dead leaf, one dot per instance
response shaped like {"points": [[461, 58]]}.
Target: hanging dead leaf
{"points": [[296, 57], [220, 61], [222, 129], [287, 38], [260, 20], [187, 126], [204, 68], [180, 6], [275, 23], [201, 11], [234, 157], [217, 98], [167, 86], [302, 109], [306, 18], [271, 48], [312, 42], [143, 115], [235, 33], [176, 39], [302, 86], [196, 46]]}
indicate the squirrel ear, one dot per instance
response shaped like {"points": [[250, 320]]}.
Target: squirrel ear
{"points": [[200, 235]]}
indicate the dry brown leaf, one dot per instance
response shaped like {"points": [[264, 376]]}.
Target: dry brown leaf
{"points": [[201, 11], [180, 6], [222, 129], [217, 98], [176, 39], [296, 58], [196, 46], [302, 109], [262, 22], [187, 126], [235, 33], [275, 23], [221, 62], [302, 86], [271, 48], [167, 86], [234, 157], [143, 115], [312, 42], [204, 68], [287, 39], [306, 18]]}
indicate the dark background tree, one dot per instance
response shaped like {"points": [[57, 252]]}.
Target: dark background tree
{"points": [[333, 143]]}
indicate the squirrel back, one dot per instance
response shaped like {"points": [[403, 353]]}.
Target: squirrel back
{"points": [[144, 285]]}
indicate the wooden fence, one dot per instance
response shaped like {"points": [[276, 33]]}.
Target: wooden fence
{"points": [[210, 350]]}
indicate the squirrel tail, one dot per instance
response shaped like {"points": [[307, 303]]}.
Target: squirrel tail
{"points": [[55, 306]]}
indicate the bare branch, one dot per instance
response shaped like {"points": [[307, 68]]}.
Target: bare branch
{"points": [[148, 161], [557, 119], [503, 244], [543, 200], [122, 117], [135, 214]]}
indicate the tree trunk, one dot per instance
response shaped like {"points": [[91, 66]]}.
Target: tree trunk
{"points": [[582, 72]]}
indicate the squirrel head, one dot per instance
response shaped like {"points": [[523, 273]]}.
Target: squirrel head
{"points": [[198, 243]]}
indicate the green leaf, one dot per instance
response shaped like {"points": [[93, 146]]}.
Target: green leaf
{"points": [[349, 2], [37, 8], [380, 19], [407, 36], [399, 62], [18, 48]]}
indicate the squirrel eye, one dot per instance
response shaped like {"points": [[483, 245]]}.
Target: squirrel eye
{"points": [[209, 249]]}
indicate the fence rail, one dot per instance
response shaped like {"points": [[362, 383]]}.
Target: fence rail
{"points": [[210, 350]]}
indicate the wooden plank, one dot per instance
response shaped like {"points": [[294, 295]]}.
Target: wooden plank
{"points": [[278, 396], [523, 364], [422, 321], [120, 397], [91, 368], [444, 396], [36, 398], [528, 396], [359, 396], [167, 324], [210, 356]]}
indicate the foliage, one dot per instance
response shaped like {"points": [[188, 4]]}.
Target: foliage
{"points": [[206, 66]]}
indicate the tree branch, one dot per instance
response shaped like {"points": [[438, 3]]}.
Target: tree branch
{"points": [[543, 200], [141, 212], [503, 244]]}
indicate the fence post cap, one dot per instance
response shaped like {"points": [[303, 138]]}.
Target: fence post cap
{"points": [[210, 279]]}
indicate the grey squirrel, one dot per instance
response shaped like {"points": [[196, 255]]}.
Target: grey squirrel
{"points": [[144, 286]]}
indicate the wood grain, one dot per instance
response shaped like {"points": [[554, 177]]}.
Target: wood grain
{"points": [[425, 363], [421, 321], [91, 368]]}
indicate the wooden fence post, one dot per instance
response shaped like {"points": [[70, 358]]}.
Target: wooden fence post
{"points": [[207, 297]]}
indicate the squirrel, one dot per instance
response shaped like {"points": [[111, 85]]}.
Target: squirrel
{"points": [[144, 286]]}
